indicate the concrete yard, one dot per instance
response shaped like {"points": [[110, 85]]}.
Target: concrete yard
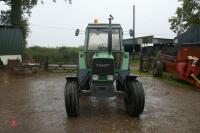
{"points": [[35, 104]]}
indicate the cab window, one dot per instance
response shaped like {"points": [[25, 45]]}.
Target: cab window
{"points": [[98, 39]]}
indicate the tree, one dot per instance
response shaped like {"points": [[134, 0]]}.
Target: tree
{"points": [[18, 14], [186, 16]]}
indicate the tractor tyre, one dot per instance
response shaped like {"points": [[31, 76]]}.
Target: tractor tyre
{"points": [[158, 69], [119, 85], [72, 99], [135, 100]]}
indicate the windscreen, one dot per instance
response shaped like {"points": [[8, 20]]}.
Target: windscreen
{"points": [[98, 39]]}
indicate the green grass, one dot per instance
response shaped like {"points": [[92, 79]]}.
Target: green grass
{"points": [[168, 78], [135, 65], [136, 61], [138, 72], [175, 81]]}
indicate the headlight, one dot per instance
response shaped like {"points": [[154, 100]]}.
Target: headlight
{"points": [[95, 77], [109, 77]]}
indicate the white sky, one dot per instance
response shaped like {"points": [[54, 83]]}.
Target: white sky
{"points": [[54, 24]]}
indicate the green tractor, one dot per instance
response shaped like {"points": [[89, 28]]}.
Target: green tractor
{"points": [[103, 71]]}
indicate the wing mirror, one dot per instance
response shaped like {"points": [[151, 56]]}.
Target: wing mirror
{"points": [[77, 32]]}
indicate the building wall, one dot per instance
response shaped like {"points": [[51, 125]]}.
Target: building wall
{"points": [[191, 35], [5, 58], [11, 41]]}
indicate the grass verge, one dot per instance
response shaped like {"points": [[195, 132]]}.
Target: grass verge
{"points": [[175, 81], [167, 78]]}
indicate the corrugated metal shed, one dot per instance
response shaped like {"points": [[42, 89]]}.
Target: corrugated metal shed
{"points": [[11, 40], [131, 43], [191, 35], [147, 40]]}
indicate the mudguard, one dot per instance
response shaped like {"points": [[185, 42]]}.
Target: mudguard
{"points": [[125, 75], [131, 77], [72, 78]]}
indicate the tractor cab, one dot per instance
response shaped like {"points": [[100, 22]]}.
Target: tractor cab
{"points": [[97, 37], [103, 58], [97, 47], [97, 43], [103, 71]]}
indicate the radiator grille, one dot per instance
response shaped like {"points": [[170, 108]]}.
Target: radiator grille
{"points": [[102, 67]]}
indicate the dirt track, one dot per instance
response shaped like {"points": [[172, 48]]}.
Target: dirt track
{"points": [[35, 104]]}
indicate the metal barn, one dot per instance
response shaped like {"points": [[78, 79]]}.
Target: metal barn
{"points": [[11, 43]]}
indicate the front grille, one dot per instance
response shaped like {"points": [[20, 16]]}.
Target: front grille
{"points": [[102, 67]]}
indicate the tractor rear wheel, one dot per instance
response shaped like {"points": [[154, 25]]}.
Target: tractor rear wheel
{"points": [[135, 100], [72, 99], [158, 69], [119, 86]]}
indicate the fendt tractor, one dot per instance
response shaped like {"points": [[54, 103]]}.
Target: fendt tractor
{"points": [[103, 71]]}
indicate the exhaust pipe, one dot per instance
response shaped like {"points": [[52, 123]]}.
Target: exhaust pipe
{"points": [[110, 34]]}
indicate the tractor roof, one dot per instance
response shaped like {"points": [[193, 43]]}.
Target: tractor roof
{"points": [[91, 26]]}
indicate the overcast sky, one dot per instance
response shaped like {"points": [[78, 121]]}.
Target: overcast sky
{"points": [[54, 24]]}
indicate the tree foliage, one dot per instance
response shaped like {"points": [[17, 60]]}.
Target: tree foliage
{"points": [[18, 13], [186, 15]]}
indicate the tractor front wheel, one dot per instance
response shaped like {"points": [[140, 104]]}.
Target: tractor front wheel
{"points": [[135, 100], [72, 99]]}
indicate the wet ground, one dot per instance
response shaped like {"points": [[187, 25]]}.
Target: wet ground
{"points": [[35, 104]]}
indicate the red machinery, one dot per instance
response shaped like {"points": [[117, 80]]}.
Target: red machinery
{"points": [[182, 60]]}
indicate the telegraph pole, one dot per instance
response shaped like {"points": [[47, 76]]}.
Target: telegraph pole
{"points": [[133, 30], [133, 21]]}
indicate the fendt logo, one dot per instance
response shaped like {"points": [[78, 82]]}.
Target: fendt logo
{"points": [[102, 65]]}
